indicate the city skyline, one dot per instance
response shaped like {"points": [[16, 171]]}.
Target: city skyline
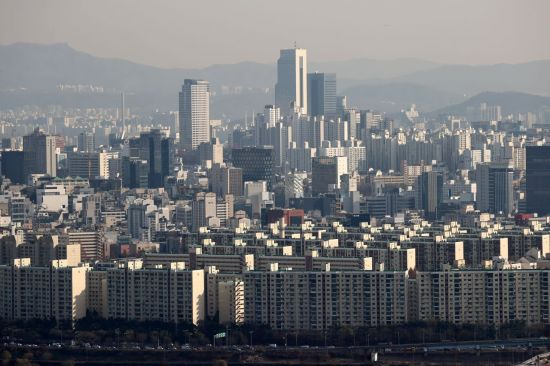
{"points": [[380, 212], [450, 33]]}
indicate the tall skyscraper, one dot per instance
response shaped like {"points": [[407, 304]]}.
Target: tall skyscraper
{"points": [[291, 87], [341, 104], [41, 153], [272, 115], [495, 192], [538, 179], [157, 150], [86, 142], [194, 113], [429, 193], [322, 95]]}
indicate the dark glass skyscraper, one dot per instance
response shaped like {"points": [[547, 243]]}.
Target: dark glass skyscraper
{"points": [[157, 151], [256, 162], [495, 192], [538, 179], [13, 166], [322, 94], [430, 191]]}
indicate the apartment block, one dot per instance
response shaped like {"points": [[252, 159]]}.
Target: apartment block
{"points": [[167, 293], [297, 300], [55, 292]]}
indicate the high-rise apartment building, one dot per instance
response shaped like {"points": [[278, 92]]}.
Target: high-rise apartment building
{"points": [[382, 298], [291, 88], [46, 292], [169, 293], [194, 113]]}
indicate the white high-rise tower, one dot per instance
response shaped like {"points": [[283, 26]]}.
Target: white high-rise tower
{"points": [[194, 116], [291, 87]]}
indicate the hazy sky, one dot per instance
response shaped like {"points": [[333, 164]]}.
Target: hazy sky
{"points": [[185, 33]]}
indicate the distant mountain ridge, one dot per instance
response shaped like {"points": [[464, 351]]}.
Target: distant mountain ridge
{"points": [[29, 74], [510, 102]]}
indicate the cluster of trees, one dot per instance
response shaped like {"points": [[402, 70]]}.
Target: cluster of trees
{"points": [[26, 358], [95, 330]]}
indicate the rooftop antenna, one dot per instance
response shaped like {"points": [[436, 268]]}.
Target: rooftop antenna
{"points": [[295, 45]]}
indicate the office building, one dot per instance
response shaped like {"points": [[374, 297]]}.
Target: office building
{"points": [[495, 192], [194, 113], [538, 179], [204, 208], [13, 166], [86, 142], [92, 243], [41, 153], [157, 151], [88, 165], [135, 172], [226, 180], [322, 95], [257, 163], [291, 87], [136, 215], [326, 173], [212, 151], [429, 186]]}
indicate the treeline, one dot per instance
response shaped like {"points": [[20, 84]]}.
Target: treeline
{"points": [[95, 330]]}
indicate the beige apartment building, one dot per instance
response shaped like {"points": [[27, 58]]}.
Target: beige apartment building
{"points": [[56, 292], [297, 300], [231, 301], [483, 296], [167, 293]]}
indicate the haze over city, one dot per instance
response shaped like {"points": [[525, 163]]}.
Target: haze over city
{"points": [[163, 33], [285, 182]]}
